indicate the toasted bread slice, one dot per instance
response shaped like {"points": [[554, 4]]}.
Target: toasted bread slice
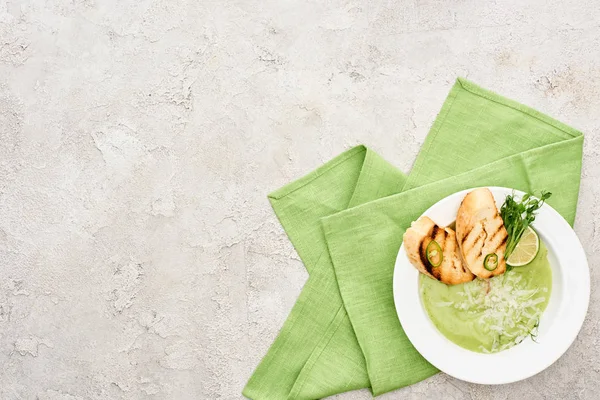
{"points": [[451, 271], [480, 231]]}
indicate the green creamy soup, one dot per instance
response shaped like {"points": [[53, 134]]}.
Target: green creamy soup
{"points": [[493, 315]]}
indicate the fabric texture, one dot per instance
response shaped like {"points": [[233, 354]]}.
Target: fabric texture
{"points": [[346, 220]]}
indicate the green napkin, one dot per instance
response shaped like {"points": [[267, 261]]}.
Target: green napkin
{"points": [[346, 220]]}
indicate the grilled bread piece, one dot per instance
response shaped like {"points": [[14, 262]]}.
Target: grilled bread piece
{"points": [[480, 231], [451, 271]]}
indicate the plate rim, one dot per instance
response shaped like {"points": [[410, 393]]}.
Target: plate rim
{"points": [[566, 342]]}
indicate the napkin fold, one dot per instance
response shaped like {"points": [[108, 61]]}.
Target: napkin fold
{"points": [[346, 220]]}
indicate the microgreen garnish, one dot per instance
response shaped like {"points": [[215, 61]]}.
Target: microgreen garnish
{"points": [[517, 216], [533, 333]]}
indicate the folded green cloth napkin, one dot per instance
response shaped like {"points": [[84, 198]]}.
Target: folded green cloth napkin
{"points": [[346, 220]]}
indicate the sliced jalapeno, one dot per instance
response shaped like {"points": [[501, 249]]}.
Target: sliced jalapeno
{"points": [[490, 262], [434, 253]]}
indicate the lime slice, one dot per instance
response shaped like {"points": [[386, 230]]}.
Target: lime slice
{"points": [[526, 249]]}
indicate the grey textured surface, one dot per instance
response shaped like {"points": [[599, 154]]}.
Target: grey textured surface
{"points": [[139, 257]]}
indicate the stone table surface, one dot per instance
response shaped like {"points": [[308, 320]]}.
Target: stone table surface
{"points": [[139, 256]]}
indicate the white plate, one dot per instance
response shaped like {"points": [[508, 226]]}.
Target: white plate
{"points": [[559, 324]]}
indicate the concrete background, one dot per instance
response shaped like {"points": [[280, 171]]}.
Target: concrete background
{"points": [[139, 257]]}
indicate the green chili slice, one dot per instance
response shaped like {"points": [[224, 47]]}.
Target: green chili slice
{"points": [[490, 262], [434, 253]]}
